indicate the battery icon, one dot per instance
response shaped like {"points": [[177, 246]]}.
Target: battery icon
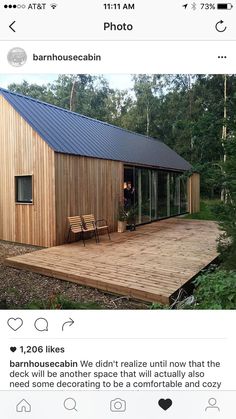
{"points": [[224, 6]]}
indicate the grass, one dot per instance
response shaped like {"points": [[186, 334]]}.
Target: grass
{"points": [[35, 305], [205, 212], [60, 303]]}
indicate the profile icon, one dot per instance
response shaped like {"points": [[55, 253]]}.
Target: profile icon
{"points": [[17, 57], [212, 405]]}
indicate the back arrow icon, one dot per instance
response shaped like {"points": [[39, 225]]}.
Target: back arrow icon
{"points": [[10, 26], [219, 28]]}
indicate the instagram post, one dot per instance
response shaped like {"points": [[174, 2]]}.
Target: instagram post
{"points": [[117, 210], [102, 216]]}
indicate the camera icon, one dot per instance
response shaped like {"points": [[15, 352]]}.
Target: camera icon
{"points": [[118, 405]]}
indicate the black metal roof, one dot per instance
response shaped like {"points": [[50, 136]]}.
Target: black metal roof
{"points": [[71, 133]]}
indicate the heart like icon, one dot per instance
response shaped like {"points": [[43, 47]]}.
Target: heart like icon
{"points": [[165, 404], [13, 348], [15, 323]]}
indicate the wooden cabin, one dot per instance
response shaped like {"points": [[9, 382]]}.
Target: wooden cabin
{"points": [[55, 163]]}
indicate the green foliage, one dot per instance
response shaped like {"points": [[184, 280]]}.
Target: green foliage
{"points": [[43, 92], [159, 306], [226, 211], [94, 97], [211, 176], [216, 291], [61, 303], [207, 211], [122, 214]]}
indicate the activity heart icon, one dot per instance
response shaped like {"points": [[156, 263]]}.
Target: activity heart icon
{"points": [[15, 323], [165, 404], [13, 348]]}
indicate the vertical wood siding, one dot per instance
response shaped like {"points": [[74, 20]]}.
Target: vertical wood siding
{"points": [[194, 193], [84, 186], [23, 152]]}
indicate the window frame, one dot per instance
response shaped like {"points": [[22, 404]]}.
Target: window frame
{"points": [[16, 189]]}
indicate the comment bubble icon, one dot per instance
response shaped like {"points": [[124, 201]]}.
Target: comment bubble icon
{"points": [[41, 324]]}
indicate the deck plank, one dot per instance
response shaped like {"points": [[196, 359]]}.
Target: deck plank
{"points": [[149, 264]]}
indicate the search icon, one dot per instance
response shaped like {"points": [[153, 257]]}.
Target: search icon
{"points": [[70, 404], [41, 324]]}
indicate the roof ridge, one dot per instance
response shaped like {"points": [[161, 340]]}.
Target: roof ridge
{"points": [[78, 114]]}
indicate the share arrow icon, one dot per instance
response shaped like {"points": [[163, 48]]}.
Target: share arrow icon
{"points": [[185, 6], [69, 323]]}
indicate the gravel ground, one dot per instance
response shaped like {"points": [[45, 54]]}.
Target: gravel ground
{"points": [[18, 287]]}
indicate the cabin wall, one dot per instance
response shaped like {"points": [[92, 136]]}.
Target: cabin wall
{"points": [[194, 193], [23, 152], [86, 186]]}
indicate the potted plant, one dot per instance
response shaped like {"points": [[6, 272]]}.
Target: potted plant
{"points": [[131, 217], [122, 218]]}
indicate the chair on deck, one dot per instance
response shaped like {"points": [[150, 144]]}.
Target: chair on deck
{"points": [[89, 225], [75, 226], [90, 222]]}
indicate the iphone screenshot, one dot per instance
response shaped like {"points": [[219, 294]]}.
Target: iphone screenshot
{"points": [[117, 209]]}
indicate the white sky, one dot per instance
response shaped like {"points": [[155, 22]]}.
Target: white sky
{"points": [[116, 81]]}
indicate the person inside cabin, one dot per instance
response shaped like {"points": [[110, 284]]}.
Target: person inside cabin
{"points": [[128, 195]]}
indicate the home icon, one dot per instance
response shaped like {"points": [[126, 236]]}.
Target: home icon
{"points": [[23, 407]]}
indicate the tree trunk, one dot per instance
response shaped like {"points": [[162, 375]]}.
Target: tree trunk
{"points": [[148, 120], [73, 96], [224, 194]]}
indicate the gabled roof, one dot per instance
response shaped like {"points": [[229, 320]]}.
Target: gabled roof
{"points": [[71, 133]]}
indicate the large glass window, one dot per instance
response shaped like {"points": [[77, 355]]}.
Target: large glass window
{"points": [[24, 193], [163, 195], [183, 194], [146, 195], [174, 194], [143, 183], [157, 193], [154, 200]]}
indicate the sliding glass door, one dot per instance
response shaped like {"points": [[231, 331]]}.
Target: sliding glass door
{"points": [[174, 194], [143, 200], [163, 207], [183, 194], [146, 195], [156, 193]]}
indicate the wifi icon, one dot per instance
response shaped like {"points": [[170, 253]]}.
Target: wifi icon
{"points": [[53, 5]]}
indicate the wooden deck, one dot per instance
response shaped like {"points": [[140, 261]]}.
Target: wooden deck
{"points": [[149, 264]]}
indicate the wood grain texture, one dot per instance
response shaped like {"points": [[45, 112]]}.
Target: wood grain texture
{"points": [[86, 186], [194, 193], [149, 264], [23, 152]]}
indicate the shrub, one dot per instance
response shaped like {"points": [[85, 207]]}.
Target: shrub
{"points": [[226, 215], [216, 290]]}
